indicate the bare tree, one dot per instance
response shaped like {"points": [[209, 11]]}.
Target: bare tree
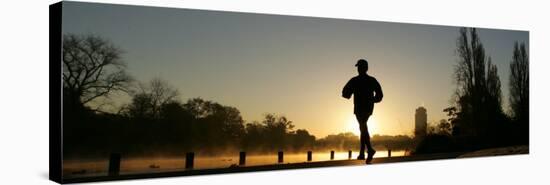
{"points": [[519, 83], [92, 68], [161, 94], [150, 98]]}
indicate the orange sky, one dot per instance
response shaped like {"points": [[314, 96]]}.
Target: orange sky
{"points": [[293, 66]]}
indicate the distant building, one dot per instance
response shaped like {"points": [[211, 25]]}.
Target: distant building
{"points": [[420, 122]]}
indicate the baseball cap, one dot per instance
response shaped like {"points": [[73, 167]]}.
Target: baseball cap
{"points": [[362, 62]]}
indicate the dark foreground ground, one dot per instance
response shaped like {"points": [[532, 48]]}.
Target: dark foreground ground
{"points": [[283, 166]]}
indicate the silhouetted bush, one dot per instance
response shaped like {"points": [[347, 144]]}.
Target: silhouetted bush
{"points": [[436, 143]]}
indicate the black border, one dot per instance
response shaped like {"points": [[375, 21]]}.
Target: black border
{"points": [[56, 122]]}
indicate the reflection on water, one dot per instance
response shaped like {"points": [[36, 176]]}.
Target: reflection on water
{"points": [[83, 168]]}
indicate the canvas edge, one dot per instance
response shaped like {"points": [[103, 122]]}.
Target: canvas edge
{"points": [[55, 90]]}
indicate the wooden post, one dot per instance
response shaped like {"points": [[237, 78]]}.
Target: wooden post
{"points": [[389, 153], [280, 156], [349, 154], [331, 155], [242, 158], [309, 156], [114, 164], [189, 160]]}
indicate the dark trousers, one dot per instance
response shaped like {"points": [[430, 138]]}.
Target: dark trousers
{"points": [[365, 137]]}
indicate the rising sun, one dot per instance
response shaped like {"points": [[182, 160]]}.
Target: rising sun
{"points": [[353, 126]]}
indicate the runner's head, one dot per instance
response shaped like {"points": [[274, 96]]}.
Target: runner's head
{"points": [[362, 66]]}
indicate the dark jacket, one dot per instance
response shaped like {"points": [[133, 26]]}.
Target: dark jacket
{"points": [[366, 91]]}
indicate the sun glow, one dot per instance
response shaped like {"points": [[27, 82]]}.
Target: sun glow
{"points": [[353, 126]]}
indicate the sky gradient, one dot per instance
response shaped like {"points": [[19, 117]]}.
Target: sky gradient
{"points": [[293, 66]]}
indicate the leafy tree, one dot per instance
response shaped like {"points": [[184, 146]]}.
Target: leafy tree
{"points": [[276, 132], [478, 95], [217, 125], [198, 107], [443, 127], [254, 137], [341, 141], [277, 128], [301, 138]]}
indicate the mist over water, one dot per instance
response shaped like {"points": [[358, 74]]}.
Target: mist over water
{"points": [[98, 167]]}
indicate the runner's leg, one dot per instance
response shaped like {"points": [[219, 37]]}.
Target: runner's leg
{"points": [[362, 120]]}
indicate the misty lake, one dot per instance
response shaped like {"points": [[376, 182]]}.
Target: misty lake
{"points": [[99, 167]]}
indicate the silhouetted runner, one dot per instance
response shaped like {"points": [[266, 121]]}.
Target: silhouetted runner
{"points": [[366, 91]]}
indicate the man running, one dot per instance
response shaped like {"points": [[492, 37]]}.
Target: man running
{"points": [[366, 91]]}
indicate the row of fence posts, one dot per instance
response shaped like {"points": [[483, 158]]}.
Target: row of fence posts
{"points": [[114, 160]]}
